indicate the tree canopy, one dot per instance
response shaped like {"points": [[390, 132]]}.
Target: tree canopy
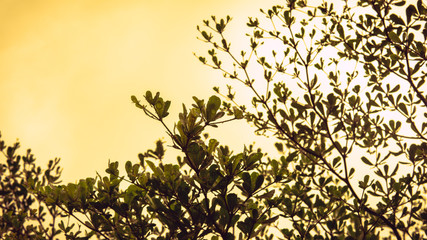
{"points": [[340, 88]]}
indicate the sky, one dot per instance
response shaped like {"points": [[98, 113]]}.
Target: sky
{"points": [[68, 69]]}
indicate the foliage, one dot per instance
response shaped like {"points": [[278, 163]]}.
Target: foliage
{"points": [[339, 116], [351, 137], [24, 215]]}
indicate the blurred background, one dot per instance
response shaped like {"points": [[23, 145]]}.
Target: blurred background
{"points": [[68, 69]]}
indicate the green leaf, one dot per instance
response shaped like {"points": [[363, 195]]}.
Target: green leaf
{"points": [[247, 184], [149, 97], [152, 166], [128, 167], [212, 107], [394, 37], [165, 112], [136, 102], [134, 99], [245, 226], [267, 195], [196, 154], [252, 160], [259, 181], [366, 161], [238, 114]]}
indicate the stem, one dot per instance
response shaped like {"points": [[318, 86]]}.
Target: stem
{"points": [[409, 78], [81, 222]]}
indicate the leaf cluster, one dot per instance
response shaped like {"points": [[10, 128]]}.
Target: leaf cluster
{"points": [[339, 87], [24, 213]]}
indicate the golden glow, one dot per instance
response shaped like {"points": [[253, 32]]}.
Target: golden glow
{"points": [[68, 69]]}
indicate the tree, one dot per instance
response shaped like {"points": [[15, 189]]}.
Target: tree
{"points": [[347, 168], [24, 214]]}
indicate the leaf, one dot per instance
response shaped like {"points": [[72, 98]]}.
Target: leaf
{"points": [[141, 158], [156, 98], [403, 108], [421, 48], [395, 89], [411, 37], [202, 59], [369, 58], [396, 19], [336, 161], [366, 161], [394, 37], [401, 3], [351, 172], [212, 107], [165, 112], [271, 220], [206, 36], [395, 170], [136, 101], [332, 225], [232, 201], [267, 195], [258, 182], [244, 226], [151, 165], [196, 155], [410, 11], [238, 114], [219, 28], [247, 184], [420, 7], [149, 97], [340, 31], [252, 160], [128, 167]]}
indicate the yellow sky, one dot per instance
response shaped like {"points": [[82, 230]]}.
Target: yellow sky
{"points": [[68, 69]]}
